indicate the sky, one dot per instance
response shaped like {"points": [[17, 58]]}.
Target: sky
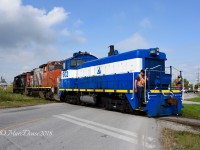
{"points": [[33, 32]]}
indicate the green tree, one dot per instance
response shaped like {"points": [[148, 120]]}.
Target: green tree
{"points": [[196, 86]]}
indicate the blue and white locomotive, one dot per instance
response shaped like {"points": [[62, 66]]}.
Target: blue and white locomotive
{"points": [[109, 82]]}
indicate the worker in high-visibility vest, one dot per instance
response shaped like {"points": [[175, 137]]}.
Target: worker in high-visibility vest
{"points": [[140, 84]]}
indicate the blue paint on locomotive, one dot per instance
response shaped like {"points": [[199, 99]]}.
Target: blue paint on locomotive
{"points": [[157, 105], [117, 81], [156, 102]]}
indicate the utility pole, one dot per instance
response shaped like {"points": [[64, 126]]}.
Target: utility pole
{"points": [[198, 79]]}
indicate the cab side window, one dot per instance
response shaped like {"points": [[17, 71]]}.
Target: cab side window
{"points": [[80, 62], [58, 66], [73, 63], [64, 66], [45, 68], [76, 62]]}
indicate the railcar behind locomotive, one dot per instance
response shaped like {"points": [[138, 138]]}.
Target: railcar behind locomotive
{"points": [[42, 81], [19, 83], [109, 82]]}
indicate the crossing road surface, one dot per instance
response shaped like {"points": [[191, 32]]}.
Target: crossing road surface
{"points": [[64, 126]]}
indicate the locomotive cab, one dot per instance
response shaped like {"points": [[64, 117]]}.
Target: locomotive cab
{"points": [[51, 73], [44, 81], [69, 72], [78, 59]]}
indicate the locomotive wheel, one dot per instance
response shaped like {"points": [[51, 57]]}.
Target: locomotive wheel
{"points": [[108, 104], [122, 110], [56, 97], [41, 94], [62, 98]]}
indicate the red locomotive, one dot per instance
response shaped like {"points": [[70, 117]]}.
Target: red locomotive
{"points": [[42, 81]]}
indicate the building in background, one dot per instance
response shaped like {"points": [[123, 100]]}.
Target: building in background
{"points": [[3, 83]]}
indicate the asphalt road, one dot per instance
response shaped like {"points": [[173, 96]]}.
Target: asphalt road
{"points": [[71, 127]]}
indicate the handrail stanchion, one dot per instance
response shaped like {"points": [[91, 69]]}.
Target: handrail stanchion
{"points": [[133, 86], [161, 76], [181, 81], [171, 78], [145, 75], [183, 96], [149, 80]]}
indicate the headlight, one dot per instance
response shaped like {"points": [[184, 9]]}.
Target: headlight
{"points": [[154, 51]]}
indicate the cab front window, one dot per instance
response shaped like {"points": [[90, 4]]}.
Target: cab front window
{"points": [[51, 67]]}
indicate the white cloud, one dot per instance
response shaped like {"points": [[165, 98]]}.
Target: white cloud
{"points": [[55, 16], [146, 23], [135, 41], [28, 37], [7, 6]]}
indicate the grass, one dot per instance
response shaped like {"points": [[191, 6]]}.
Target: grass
{"points": [[8, 99], [179, 140], [191, 111]]}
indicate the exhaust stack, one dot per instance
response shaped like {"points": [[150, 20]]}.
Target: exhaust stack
{"points": [[111, 52]]}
